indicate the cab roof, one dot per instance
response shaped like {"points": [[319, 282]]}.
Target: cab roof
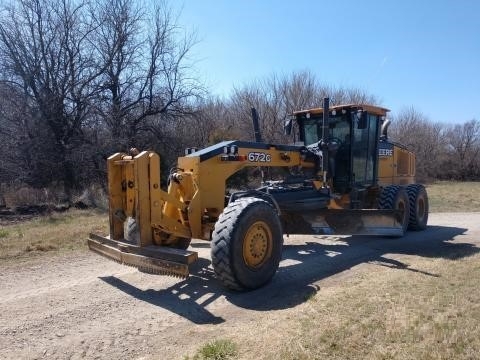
{"points": [[372, 109]]}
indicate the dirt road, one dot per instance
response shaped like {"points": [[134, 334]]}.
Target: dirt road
{"points": [[83, 306]]}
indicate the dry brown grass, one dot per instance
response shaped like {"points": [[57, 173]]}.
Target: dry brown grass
{"points": [[448, 196], [381, 313], [56, 232]]}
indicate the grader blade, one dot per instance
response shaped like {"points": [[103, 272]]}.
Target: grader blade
{"points": [[150, 259], [349, 222], [366, 222]]}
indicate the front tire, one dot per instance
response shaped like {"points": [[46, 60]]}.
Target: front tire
{"points": [[247, 244]]}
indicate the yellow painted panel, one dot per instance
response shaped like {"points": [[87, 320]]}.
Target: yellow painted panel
{"points": [[115, 196], [142, 186]]}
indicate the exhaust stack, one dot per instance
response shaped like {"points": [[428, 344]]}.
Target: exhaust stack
{"points": [[385, 126], [256, 126]]}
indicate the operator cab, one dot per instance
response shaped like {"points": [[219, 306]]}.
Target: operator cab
{"points": [[347, 137]]}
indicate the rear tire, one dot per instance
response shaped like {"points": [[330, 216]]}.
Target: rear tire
{"points": [[395, 197], [247, 244], [418, 199]]}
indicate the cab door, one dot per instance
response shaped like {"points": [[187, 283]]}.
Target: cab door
{"points": [[364, 148]]}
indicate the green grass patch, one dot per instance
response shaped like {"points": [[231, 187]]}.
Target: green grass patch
{"points": [[221, 349], [3, 233]]}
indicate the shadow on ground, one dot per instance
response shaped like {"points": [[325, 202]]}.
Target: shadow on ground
{"points": [[301, 267]]}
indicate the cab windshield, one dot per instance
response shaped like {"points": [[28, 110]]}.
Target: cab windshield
{"points": [[338, 127]]}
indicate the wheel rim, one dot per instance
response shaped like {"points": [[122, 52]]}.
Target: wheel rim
{"points": [[257, 244]]}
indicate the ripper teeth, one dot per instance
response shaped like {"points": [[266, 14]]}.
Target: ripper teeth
{"points": [[160, 272], [175, 270]]}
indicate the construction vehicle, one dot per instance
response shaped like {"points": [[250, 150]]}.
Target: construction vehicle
{"points": [[344, 176]]}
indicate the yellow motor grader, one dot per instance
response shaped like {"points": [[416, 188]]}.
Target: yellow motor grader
{"points": [[342, 176]]}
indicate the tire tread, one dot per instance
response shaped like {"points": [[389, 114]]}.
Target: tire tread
{"points": [[413, 190], [221, 251]]}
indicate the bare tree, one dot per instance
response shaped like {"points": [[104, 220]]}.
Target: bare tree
{"points": [[300, 91], [94, 76], [148, 79], [343, 95], [426, 138], [275, 97], [42, 44], [14, 131], [464, 149]]}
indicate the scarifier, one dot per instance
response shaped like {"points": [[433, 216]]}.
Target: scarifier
{"points": [[343, 176]]}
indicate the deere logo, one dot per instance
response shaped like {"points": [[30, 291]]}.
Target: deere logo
{"points": [[385, 152]]}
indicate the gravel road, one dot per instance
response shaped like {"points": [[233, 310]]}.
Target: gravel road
{"points": [[81, 305]]}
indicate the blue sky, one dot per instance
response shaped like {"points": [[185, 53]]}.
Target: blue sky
{"points": [[424, 54]]}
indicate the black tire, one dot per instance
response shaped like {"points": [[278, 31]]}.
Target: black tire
{"points": [[247, 244], [131, 232], [396, 197], [133, 235], [418, 198]]}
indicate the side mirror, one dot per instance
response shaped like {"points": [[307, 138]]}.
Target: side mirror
{"points": [[287, 127]]}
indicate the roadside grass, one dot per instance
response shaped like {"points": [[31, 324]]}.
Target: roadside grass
{"points": [[56, 232], [428, 309], [450, 196], [394, 314]]}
